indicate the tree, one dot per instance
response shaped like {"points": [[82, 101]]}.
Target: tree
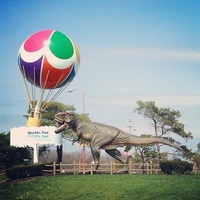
{"points": [[10, 155], [196, 156], [198, 146], [164, 120], [83, 117]]}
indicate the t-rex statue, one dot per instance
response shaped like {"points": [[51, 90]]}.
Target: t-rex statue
{"points": [[101, 136]]}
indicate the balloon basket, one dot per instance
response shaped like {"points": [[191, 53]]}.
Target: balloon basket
{"points": [[33, 122]]}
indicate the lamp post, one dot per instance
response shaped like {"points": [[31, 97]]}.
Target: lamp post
{"points": [[83, 149], [83, 97]]}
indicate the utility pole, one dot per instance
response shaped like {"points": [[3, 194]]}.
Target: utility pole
{"points": [[130, 126]]}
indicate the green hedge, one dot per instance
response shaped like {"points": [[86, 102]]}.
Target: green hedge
{"points": [[24, 171], [181, 167]]}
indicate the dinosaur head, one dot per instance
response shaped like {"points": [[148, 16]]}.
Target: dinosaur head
{"points": [[64, 121]]}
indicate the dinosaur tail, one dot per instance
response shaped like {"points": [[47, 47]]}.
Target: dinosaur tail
{"points": [[153, 140]]}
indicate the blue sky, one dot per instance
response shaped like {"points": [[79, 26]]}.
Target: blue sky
{"points": [[130, 50]]}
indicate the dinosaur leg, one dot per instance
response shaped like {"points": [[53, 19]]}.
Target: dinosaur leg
{"points": [[96, 144], [117, 155], [96, 155]]}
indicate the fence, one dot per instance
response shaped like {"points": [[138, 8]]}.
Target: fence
{"points": [[112, 168]]}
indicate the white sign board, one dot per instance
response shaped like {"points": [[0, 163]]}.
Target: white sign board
{"points": [[33, 137], [29, 136]]}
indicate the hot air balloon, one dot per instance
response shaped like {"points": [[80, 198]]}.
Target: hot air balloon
{"points": [[48, 61]]}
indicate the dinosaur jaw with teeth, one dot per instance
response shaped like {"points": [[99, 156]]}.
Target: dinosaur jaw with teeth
{"points": [[61, 125]]}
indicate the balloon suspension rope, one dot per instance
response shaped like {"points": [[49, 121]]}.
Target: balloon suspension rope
{"points": [[44, 106], [26, 87], [37, 108], [39, 102]]}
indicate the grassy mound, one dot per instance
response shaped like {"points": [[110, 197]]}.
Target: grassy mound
{"points": [[104, 187]]}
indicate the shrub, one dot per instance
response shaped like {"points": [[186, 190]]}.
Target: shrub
{"points": [[24, 171], [181, 167], [166, 167]]}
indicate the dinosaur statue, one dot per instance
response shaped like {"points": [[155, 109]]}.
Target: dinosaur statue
{"points": [[101, 136]]}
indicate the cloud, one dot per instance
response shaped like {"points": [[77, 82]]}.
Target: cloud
{"points": [[124, 100], [150, 54]]}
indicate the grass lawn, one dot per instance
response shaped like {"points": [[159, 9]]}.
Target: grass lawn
{"points": [[105, 187]]}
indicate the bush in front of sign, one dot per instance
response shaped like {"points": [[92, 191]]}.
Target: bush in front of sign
{"points": [[19, 172]]}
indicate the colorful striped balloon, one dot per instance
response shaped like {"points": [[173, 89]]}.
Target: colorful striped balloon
{"points": [[48, 59]]}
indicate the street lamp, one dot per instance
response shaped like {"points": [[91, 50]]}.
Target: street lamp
{"points": [[83, 97]]}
